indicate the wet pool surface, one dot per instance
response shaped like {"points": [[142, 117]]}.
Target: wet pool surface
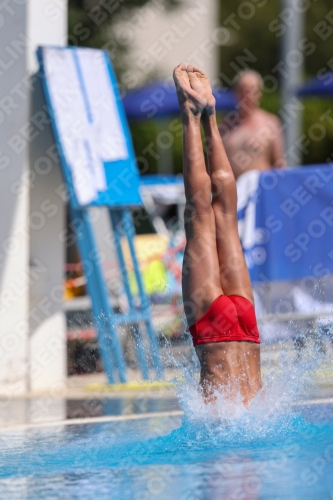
{"points": [[290, 457]]}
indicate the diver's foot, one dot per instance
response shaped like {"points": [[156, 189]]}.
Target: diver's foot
{"points": [[190, 101], [201, 84]]}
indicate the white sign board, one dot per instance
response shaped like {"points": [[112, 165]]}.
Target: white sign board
{"points": [[86, 114]]}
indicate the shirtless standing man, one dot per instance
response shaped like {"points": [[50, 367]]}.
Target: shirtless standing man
{"points": [[254, 141]]}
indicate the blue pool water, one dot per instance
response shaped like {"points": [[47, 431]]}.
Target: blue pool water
{"points": [[272, 450], [288, 457]]}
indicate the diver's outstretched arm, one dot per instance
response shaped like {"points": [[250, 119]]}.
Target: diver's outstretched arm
{"points": [[214, 264], [234, 275], [224, 194], [201, 280]]}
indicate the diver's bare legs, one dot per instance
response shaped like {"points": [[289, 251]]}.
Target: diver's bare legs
{"points": [[213, 245]]}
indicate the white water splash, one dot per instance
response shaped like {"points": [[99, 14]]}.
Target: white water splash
{"points": [[287, 376]]}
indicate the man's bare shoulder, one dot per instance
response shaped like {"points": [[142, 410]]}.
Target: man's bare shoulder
{"points": [[268, 117]]}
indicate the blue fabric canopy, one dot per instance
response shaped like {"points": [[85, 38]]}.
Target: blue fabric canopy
{"points": [[321, 85], [159, 99]]}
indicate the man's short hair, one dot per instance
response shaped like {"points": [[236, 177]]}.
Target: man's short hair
{"points": [[246, 72]]}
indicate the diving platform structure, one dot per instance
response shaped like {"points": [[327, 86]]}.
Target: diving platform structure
{"points": [[99, 167]]}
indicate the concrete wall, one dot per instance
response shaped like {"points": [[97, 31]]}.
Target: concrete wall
{"points": [[29, 233], [13, 204], [47, 345]]}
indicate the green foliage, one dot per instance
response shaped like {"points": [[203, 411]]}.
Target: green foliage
{"points": [[257, 26], [315, 19], [248, 23], [271, 102], [318, 131], [144, 135]]}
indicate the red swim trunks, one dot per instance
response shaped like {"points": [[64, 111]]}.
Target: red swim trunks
{"points": [[229, 318]]}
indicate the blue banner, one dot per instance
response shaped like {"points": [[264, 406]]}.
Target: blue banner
{"points": [[286, 222]]}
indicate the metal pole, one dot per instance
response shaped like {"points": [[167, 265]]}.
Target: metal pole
{"points": [[290, 71], [111, 349], [117, 224], [154, 345]]}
